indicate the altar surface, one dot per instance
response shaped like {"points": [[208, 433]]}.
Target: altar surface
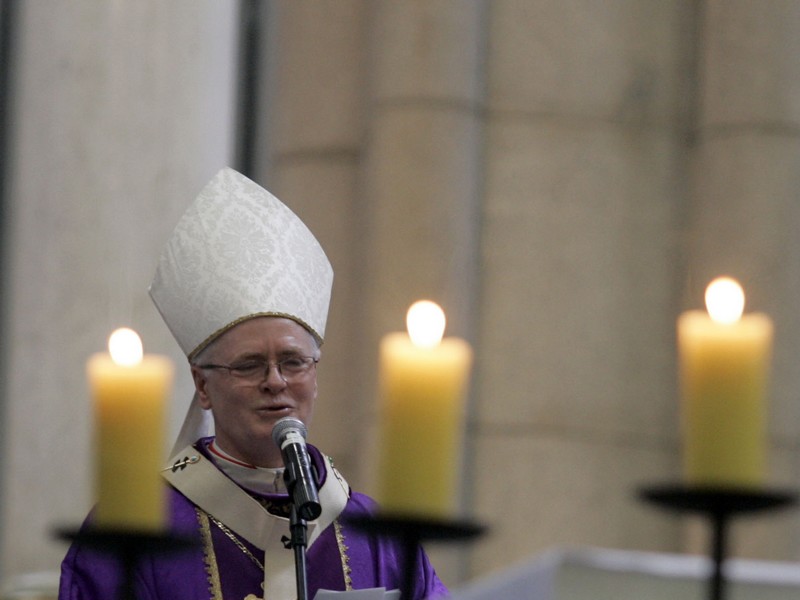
{"points": [[604, 574]]}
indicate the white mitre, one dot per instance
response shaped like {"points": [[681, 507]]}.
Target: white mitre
{"points": [[237, 253]]}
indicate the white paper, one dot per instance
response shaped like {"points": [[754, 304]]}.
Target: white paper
{"points": [[369, 594]]}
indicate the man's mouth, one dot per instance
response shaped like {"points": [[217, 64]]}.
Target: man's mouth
{"points": [[276, 408]]}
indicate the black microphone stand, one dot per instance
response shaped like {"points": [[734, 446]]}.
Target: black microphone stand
{"points": [[297, 541]]}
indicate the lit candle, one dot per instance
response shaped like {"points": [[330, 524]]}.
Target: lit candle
{"points": [[424, 381], [724, 366], [129, 392]]}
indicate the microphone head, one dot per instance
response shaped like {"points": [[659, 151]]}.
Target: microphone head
{"points": [[284, 426]]}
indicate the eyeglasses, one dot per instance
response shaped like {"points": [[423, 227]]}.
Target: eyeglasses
{"points": [[256, 370]]}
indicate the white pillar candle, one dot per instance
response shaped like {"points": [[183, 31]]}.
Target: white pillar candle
{"points": [[724, 361], [424, 381], [129, 392]]}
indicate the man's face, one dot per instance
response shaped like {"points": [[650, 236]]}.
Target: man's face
{"points": [[246, 409]]}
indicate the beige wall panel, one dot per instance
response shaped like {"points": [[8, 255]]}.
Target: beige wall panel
{"points": [[538, 492], [321, 190], [751, 63], [580, 258], [428, 49], [122, 113], [420, 182], [317, 84], [618, 59]]}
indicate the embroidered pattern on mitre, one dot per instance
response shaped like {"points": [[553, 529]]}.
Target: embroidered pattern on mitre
{"points": [[239, 252]]}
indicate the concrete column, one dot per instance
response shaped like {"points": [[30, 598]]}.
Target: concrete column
{"points": [[122, 111], [422, 179], [312, 148], [422, 172], [579, 249], [745, 213]]}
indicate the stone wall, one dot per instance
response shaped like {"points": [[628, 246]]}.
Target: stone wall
{"points": [[564, 177]]}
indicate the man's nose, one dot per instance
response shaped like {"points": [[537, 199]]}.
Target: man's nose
{"points": [[274, 379]]}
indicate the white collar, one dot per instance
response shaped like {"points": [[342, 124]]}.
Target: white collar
{"points": [[262, 480]]}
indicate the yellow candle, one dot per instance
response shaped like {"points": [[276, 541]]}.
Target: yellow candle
{"points": [[724, 366], [129, 393], [424, 381]]}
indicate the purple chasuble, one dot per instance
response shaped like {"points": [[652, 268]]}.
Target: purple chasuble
{"points": [[370, 561]]}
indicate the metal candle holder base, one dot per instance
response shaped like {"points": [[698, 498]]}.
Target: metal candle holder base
{"points": [[128, 547], [412, 531], [719, 505]]}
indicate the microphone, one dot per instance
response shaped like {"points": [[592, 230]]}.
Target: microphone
{"points": [[289, 434]]}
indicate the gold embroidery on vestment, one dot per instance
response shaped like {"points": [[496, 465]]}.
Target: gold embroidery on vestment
{"points": [[214, 586], [278, 509], [348, 581]]}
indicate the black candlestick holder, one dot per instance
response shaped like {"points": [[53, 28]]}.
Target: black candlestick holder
{"points": [[412, 531], [719, 505], [128, 547]]}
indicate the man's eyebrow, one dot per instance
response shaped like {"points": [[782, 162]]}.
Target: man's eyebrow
{"points": [[295, 351], [249, 355], [286, 352]]}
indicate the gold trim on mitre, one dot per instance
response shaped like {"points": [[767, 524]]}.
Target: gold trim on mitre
{"points": [[206, 342]]}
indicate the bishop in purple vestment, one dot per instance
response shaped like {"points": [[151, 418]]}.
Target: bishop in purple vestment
{"points": [[244, 287], [225, 566]]}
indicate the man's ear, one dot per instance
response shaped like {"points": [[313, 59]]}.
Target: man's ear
{"points": [[201, 387]]}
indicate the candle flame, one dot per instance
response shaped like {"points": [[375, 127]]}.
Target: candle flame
{"points": [[425, 322], [725, 300], [125, 347]]}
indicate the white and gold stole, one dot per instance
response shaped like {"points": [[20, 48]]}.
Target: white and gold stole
{"points": [[206, 486]]}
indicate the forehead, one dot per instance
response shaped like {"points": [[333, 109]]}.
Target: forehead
{"points": [[264, 334]]}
